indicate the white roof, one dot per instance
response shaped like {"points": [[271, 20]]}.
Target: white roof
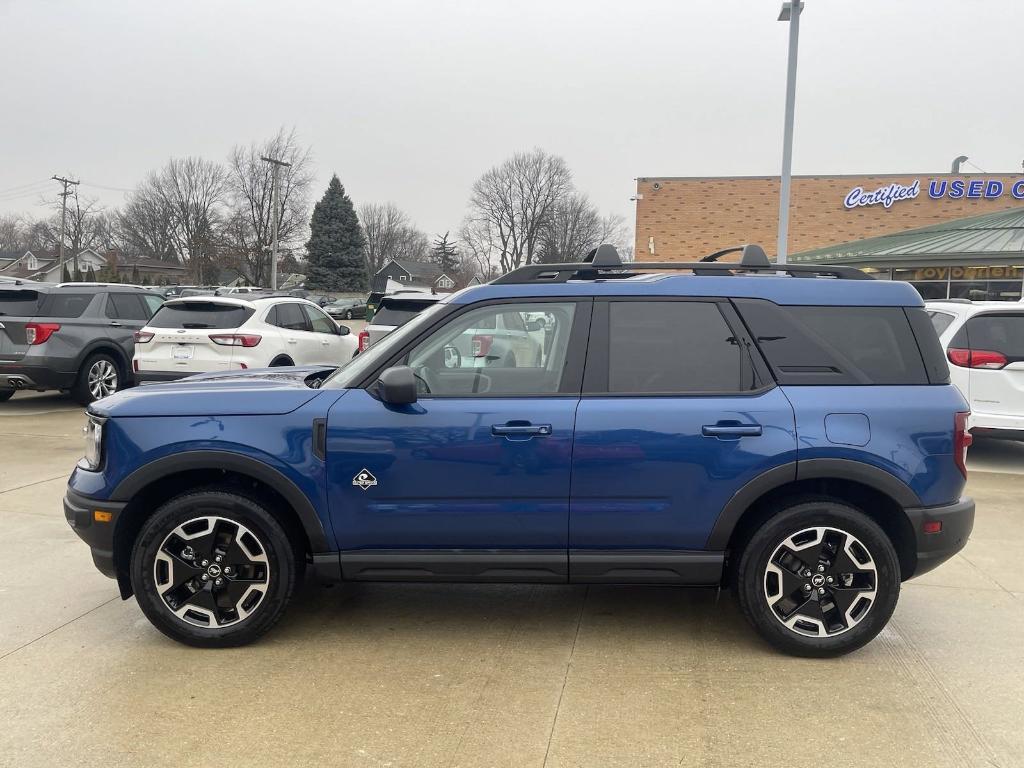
{"points": [[236, 302]]}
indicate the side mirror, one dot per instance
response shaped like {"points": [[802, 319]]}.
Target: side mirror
{"points": [[397, 386], [343, 330]]}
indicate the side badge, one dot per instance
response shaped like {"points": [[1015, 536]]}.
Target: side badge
{"points": [[364, 479]]}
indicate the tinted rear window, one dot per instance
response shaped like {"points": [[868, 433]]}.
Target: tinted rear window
{"points": [[835, 345], [199, 314], [66, 305], [18, 303], [398, 312], [941, 321], [998, 333]]}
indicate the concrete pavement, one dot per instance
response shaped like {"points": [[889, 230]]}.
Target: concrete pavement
{"points": [[424, 675]]}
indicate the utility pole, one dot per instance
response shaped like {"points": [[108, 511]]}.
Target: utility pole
{"points": [[275, 193], [790, 13], [64, 216]]}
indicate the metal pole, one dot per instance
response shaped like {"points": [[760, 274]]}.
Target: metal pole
{"points": [[274, 193], [63, 220], [795, 8]]}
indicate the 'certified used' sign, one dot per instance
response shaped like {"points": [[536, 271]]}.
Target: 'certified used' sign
{"points": [[954, 189]]}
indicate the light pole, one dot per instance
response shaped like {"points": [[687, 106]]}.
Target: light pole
{"points": [[278, 164], [790, 12]]}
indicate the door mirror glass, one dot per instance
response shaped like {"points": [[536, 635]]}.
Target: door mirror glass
{"points": [[397, 385], [343, 330]]}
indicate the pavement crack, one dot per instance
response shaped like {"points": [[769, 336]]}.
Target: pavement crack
{"points": [[35, 482], [55, 629], [565, 678]]}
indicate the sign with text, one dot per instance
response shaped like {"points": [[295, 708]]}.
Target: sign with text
{"points": [[938, 189]]}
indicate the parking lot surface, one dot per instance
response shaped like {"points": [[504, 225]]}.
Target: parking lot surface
{"points": [[467, 675]]}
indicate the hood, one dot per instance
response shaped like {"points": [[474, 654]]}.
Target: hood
{"points": [[262, 392]]}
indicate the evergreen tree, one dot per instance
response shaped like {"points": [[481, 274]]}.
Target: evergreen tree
{"points": [[135, 274], [335, 251], [444, 253], [90, 274], [65, 276]]}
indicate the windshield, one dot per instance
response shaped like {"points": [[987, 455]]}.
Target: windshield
{"points": [[352, 372]]}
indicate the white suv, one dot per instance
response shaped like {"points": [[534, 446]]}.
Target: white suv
{"points": [[984, 343], [219, 333]]}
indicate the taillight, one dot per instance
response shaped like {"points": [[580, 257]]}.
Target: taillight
{"points": [[482, 344], [143, 337], [38, 333], [364, 340], [976, 358], [962, 440], [236, 339]]}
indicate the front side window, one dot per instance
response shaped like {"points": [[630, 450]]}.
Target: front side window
{"points": [[320, 322], [291, 317], [475, 354], [673, 347]]}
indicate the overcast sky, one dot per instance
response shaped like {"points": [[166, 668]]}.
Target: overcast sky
{"points": [[411, 101]]}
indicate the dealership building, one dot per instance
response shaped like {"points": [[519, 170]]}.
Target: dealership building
{"points": [[951, 236]]}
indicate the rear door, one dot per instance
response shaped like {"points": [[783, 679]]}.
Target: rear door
{"points": [[676, 416], [182, 331], [996, 343], [126, 313]]}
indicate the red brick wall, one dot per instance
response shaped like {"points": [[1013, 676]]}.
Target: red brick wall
{"points": [[689, 218]]}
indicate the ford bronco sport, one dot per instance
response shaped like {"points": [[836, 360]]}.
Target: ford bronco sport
{"points": [[789, 432]]}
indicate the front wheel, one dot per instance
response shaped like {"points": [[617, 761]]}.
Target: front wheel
{"points": [[213, 569], [818, 579]]}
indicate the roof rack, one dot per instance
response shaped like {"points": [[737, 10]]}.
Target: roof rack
{"points": [[604, 263]]}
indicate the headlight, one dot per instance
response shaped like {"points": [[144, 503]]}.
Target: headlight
{"points": [[93, 431]]}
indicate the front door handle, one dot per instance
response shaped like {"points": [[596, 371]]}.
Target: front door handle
{"points": [[520, 430], [115, 324], [727, 431]]}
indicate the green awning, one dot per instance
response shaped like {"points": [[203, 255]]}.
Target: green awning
{"points": [[990, 239]]}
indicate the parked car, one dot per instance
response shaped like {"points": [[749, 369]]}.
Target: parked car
{"points": [[393, 312], [237, 290], [346, 309], [221, 333], [984, 341], [73, 337], [795, 439]]}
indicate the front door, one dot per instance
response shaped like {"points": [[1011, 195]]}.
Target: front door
{"points": [[674, 419], [471, 481]]}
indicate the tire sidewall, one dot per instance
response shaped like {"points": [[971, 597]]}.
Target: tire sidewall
{"points": [[280, 561], [750, 577], [81, 391]]}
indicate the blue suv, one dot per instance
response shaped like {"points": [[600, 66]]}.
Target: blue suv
{"points": [[788, 432]]}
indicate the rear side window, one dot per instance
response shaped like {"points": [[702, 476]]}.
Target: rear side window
{"points": [[126, 306], [66, 305], [1002, 333], [19, 303], [835, 345], [673, 347], [398, 312], [941, 321], [199, 314]]}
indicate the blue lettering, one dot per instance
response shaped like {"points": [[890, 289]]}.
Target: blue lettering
{"points": [[936, 188], [974, 188], [994, 188], [956, 189], [853, 199], [1017, 190]]}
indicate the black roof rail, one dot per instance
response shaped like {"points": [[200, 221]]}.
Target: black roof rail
{"points": [[604, 263]]}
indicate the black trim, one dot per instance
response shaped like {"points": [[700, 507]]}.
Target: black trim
{"points": [[156, 377], [320, 438], [645, 567], [743, 498], [78, 511], [561, 273], [128, 488], [533, 566], [933, 549], [327, 567]]}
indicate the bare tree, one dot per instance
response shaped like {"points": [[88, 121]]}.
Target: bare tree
{"points": [[574, 228], [250, 184], [390, 235], [194, 190], [513, 201], [477, 256], [145, 227], [13, 235]]}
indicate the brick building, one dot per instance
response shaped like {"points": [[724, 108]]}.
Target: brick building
{"points": [[962, 234]]}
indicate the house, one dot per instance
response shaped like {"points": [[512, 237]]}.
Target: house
{"points": [[45, 266], [422, 274]]}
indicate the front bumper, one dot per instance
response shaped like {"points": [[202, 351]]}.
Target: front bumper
{"points": [[933, 549], [96, 530]]}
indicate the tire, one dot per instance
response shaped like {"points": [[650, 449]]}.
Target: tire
{"points": [[6, 394], [778, 579], [348, 315], [281, 362], [98, 377], [213, 616]]}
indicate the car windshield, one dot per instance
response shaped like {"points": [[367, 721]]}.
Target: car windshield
{"points": [[352, 372]]}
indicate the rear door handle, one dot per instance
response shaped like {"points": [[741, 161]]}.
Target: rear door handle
{"points": [[115, 323], [731, 430], [513, 431]]}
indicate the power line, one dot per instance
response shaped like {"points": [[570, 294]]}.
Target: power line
{"points": [[103, 186], [24, 186]]}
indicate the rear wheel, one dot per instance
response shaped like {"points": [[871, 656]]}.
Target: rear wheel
{"points": [[348, 314], [213, 569], [279, 362], [99, 377], [819, 579]]}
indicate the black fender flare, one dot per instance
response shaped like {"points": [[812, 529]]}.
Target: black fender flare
{"points": [[128, 488], [838, 469], [108, 347]]}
